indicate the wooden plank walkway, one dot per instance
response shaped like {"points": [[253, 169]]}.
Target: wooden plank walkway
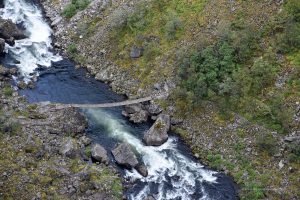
{"points": [[104, 105]]}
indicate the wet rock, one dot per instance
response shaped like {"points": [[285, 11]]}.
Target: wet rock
{"points": [[22, 85], [6, 74], [158, 133], [136, 52], [149, 198], [136, 113], [130, 109], [2, 45], [99, 153], [9, 31], [139, 117], [124, 155], [85, 140], [142, 169]]}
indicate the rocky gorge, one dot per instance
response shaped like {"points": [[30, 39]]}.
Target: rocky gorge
{"points": [[217, 142]]}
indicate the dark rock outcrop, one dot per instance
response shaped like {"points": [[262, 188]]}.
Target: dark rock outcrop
{"points": [[1, 3], [10, 31], [2, 45], [69, 149], [158, 133], [149, 198], [124, 156], [99, 154], [6, 74], [142, 169]]}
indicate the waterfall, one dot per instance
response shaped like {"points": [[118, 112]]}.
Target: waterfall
{"points": [[30, 53]]}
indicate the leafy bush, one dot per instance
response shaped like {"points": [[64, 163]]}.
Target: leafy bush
{"points": [[294, 150], [137, 21], [70, 10], [208, 69], [289, 39], [261, 75], [8, 91], [76, 5], [72, 50]]}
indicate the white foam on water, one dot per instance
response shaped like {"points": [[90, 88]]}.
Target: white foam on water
{"points": [[35, 50], [162, 162]]}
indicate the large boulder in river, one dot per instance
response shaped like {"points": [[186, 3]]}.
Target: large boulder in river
{"points": [[158, 133], [139, 117], [99, 153], [10, 31], [134, 108], [124, 155], [136, 113], [142, 169]]}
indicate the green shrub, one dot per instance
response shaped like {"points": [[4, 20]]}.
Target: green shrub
{"points": [[76, 5], [72, 50], [289, 39], [88, 152], [294, 149], [293, 8], [137, 21], [208, 69], [262, 75], [8, 91], [69, 11], [253, 191]]}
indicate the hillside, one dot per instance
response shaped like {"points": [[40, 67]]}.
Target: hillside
{"points": [[231, 68]]}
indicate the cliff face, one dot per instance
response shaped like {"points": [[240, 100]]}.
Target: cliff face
{"points": [[231, 69]]}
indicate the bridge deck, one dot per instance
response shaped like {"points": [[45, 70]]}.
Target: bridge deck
{"points": [[105, 105]]}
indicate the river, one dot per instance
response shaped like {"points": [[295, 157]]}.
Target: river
{"points": [[173, 172]]}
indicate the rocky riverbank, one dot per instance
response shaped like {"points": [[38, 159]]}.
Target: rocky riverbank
{"points": [[44, 152], [257, 158]]}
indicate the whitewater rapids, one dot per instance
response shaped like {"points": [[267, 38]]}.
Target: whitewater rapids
{"points": [[35, 50], [165, 164]]}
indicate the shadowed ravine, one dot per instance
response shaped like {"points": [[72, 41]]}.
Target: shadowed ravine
{"points": [[173, 172]]}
